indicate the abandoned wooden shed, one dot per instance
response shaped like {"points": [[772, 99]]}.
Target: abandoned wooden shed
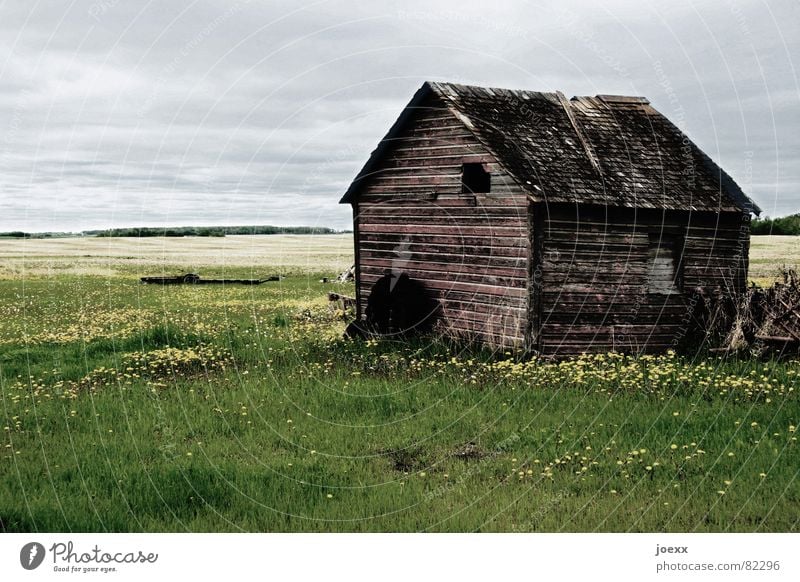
{"points": [[555, 225]]}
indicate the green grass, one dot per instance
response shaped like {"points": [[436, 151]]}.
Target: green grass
{"points": [[143, 408]]}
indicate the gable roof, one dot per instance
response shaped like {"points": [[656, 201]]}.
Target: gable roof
{"points": [[608, 149]]}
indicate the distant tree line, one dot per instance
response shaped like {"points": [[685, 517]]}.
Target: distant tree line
{"points": [[179, 231], [21, 234], [210, 231], [784, 225], [153, 231]]}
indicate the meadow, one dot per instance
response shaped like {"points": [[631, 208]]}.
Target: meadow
{"points": [[130, 407]]}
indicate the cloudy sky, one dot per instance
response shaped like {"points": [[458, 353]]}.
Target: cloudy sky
{"points": [[122, 112]]}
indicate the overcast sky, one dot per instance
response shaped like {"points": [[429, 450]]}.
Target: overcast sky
{"points": [[122, 112]]}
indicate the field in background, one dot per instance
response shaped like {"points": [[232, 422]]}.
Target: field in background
{"points": [[209, 256], [253, 255], [129, 407], [768, 254]]}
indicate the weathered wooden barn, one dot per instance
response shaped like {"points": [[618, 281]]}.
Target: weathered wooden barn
{"points": [[555, 225]]}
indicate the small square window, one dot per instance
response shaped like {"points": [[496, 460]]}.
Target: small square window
{"points": [[475, 179], [663, 265]]}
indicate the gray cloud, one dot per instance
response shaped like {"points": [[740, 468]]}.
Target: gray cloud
{"points": [[122, 113]]}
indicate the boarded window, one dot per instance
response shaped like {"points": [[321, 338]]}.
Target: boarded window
{"points": [[475, 178], [663, 262]]}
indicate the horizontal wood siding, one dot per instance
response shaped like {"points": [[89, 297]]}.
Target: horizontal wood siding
{"points": [[470, 251], [594, 275]]}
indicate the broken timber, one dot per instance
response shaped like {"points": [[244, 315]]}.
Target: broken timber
{"points": [[194, 279]]}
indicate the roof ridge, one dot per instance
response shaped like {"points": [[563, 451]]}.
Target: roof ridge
{"points": [[623, 99], [606, 97], [441, 87]]}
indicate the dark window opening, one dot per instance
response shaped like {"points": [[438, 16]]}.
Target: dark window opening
{"points": [[475, 179], [663, 265]]}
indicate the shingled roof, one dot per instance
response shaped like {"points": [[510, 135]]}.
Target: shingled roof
{"points": [[609, 150]]}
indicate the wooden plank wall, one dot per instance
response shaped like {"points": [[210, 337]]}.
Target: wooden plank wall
{"points": [[593, 283], [470, 251]]}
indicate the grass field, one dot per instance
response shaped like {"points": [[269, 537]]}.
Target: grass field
{"points": [[142, 408], [768, 254]]}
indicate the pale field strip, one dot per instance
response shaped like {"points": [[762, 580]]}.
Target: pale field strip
{"points": [[108, 256], [281, 253], [770, 253]]}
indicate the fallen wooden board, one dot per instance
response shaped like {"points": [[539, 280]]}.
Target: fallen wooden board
{"points": [[193, 279], [776, 338]]}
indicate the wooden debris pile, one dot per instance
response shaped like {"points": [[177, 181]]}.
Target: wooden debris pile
{"points": [[342, 305], [347, 276], [764, 320], [778, 308]]}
